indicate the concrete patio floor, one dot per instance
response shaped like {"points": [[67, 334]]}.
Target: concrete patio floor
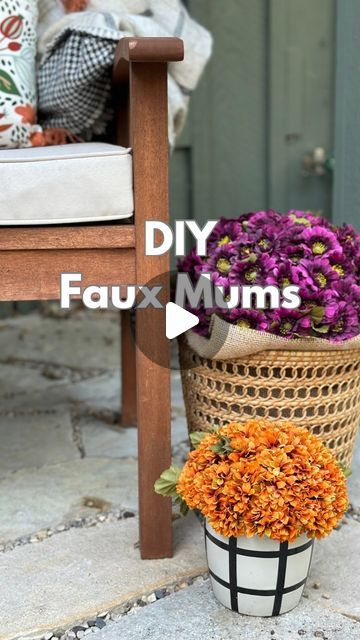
{"points": [[69, 559]]}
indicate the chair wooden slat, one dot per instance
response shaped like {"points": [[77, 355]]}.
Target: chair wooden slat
{"points": [[35, 274], [105, 236]]}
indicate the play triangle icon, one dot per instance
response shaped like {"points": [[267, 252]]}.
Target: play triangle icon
{"points": [[178, 320]]}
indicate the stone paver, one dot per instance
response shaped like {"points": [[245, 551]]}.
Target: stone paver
{"points": [[194, 614], [97, 393], [176, 395], [35, 440], [114, 442], [39, 339], [73, 576], [354, 479], [100, 440], [336, 571], [18, 383], [33, 499]]}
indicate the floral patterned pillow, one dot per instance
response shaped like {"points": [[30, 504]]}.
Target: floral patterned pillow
{"points": [[18, 127]]}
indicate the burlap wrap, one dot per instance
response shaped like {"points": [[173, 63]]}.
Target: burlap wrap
{"points": [[228, 342]]}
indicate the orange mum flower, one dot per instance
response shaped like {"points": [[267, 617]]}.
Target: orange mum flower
{"points": [[265, 478]]}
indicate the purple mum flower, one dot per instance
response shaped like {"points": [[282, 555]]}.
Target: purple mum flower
{"points": [[322, 242], [226, 231], [344, 324], [247, 319], [261, 218], [347, 290], [317, 276], [341, 264], [347, 234], [296, 253], [221, 263], [350, 243], [252, 271], [268, 239], [245, 246], [192, 264], [284, 274], [328, 301], [308, 218], [289, 323]]}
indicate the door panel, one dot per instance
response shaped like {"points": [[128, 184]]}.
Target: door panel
{"points": [[301, 88], [228, 111], [266, 99]]}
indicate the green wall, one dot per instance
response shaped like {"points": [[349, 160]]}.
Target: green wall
{"points": [[346, 200]]}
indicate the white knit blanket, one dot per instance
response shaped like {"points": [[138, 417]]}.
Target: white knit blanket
{"points": [[77, 49]]}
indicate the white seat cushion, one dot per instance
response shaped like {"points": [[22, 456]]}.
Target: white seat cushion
{"points": [[83, 182]]}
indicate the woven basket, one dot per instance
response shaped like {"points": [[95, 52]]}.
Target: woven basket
{"points": [[319, 390]]}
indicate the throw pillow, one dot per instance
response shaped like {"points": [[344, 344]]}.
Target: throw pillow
{"points": [[18, 127]]}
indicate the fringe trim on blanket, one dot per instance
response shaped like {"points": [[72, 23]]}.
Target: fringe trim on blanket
{"points": [[54, 136], [75, 5]]}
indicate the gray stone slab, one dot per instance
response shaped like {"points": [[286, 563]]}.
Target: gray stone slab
{"points": [[177, 399], [102, 440], [179, 424], [87, 341], [75, 575], [194, 614], [100, 393], [335, 571], [33, 499], [95, 336], [34, 440], [18, 382], [95, 394], [354, 479], [179, 430]]}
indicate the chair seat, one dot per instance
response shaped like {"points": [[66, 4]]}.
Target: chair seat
{"points": [[84, 182]]}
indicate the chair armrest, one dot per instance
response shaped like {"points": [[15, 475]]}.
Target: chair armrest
{"points": [[131, 50]]}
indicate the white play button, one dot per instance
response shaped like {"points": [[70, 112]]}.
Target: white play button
{"points": [[178, 320]]}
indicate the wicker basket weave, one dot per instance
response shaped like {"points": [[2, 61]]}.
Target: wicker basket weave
{"points": [[319, 390]]}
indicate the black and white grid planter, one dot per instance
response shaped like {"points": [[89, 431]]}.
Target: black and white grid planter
{"points": [[257, 576]]}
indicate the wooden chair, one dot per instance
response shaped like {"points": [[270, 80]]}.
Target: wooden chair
{"points": [[32, 258]]}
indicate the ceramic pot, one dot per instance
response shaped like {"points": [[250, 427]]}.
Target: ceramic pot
{"points": [[257, 576]]}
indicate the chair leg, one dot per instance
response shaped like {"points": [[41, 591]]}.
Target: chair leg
{"points": [[128, 372], [154, 436], [149, 142]]}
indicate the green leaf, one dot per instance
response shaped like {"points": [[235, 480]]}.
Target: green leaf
{"points": [[184, 509], [321, 329], [7, 84], [196, 437], [346, 471], [317, 314], [167, 483], [223, 446]]}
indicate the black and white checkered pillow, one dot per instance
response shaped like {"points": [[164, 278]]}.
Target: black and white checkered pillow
{"points": [[74, 84], [257, 576]]}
